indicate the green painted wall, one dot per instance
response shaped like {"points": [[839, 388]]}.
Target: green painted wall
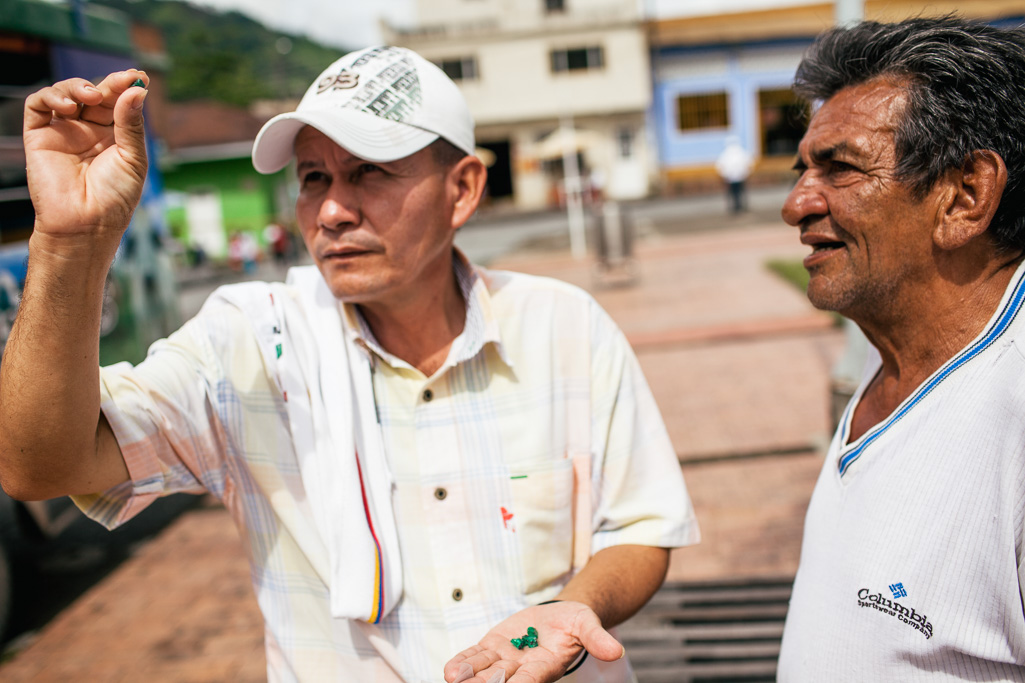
{"points": [[248, 199]]}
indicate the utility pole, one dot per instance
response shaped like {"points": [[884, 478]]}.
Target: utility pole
{"points": [[573, 184], [849, 11]]}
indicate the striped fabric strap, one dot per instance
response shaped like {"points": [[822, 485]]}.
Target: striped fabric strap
{"points": [[378, 604]]}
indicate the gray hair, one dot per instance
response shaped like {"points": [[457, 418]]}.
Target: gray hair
{"points": [[966, 92]]}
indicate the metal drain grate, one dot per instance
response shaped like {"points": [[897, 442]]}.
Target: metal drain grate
{"points": [[704, 633]]}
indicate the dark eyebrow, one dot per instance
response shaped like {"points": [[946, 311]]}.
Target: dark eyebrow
{"points": [[829, 153], [821, 156]]}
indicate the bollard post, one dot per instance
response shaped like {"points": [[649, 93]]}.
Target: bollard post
{"points": [[614, 244]]}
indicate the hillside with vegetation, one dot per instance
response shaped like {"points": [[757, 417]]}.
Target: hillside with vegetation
{"points": [[226, 56]]}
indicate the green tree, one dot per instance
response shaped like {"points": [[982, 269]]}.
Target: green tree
{"points": [[226, 56]]}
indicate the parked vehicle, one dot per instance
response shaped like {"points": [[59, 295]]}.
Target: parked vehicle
{"points": [[23, 525]]}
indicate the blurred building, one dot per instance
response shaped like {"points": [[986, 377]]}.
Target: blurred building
{"points": [[212, 189], [725, 75], [534, 70]]}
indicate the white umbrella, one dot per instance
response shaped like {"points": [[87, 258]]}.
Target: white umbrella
{"points": [[487, 157], [566, 140]]}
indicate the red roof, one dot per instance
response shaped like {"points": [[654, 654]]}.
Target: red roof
{"points": [[201, 123]]}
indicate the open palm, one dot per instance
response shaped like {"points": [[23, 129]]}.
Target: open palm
{"points": [[564, 629]]}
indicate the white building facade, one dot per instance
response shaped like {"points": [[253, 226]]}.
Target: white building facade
{"points": [[529, 68]]}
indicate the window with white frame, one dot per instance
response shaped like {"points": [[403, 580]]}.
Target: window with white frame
{"points": [[625, 142], [578, 59], [459, 68]]}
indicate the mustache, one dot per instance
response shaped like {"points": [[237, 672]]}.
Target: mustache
{"points": [[349, 243]]}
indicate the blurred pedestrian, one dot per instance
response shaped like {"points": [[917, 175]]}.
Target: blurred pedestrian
{"points": [[243, 252], [277, 239], [734, 166]]}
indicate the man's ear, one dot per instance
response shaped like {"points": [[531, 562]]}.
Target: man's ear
{"points": [[467, 178], [975, 192]]}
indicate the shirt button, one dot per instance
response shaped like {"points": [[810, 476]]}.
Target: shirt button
{"points": [[428, 395], [457, 594], [440, 493]]}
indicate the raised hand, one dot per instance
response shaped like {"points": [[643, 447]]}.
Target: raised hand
{"points": [[565, 630], [86, 156]]}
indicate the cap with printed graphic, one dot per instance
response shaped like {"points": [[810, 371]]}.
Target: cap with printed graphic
{"points": [[381, 104]]}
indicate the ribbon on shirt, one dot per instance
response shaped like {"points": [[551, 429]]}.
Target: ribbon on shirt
{"points": [[328, 387]]}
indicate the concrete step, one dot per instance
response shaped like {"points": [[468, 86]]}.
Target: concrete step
{"points": [[695, 633]]}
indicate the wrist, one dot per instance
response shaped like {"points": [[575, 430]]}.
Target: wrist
{"points": [[575, 597], [88, 254]]}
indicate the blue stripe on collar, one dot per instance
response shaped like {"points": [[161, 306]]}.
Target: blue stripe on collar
{"points": [[1003, 321]]}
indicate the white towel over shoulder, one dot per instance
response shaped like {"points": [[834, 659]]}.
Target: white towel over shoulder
{"points": [[328, 388]]}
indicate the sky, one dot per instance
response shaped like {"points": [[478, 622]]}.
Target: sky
{"points": [[354, 23], [341, 23]]}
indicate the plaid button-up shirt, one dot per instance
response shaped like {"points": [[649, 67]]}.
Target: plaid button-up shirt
{"points": [[482, 455]]}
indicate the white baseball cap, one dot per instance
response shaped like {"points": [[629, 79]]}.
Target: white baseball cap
{"points": [[381, 104]]}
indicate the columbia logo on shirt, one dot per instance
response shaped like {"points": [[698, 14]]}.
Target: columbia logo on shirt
{"points": [[904, 614]]}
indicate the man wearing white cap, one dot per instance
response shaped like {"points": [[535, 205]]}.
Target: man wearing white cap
{"points": [[420, 454]]}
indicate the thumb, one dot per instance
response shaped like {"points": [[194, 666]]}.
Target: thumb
{"points": [[129, 131], [597, 641]]}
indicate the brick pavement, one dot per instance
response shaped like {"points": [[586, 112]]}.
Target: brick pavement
{"points": [[201, 626], [737, 358], [738, 362]]}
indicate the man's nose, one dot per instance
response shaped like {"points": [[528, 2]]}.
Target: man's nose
{"points": [[804, 200], [340, 208]]}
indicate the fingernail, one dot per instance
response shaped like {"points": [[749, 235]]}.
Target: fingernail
{"points": [[465, 673], [67, 100], [92, 88], [499, 677], [623, 653]]}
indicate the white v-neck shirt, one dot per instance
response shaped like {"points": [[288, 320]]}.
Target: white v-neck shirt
{"points": [[911, 565]]}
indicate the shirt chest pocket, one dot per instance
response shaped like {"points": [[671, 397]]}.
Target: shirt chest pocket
{"points": [[542, 512]]}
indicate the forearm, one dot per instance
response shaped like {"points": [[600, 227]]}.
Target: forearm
{"points": [[618, 581], [50, 424]]}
